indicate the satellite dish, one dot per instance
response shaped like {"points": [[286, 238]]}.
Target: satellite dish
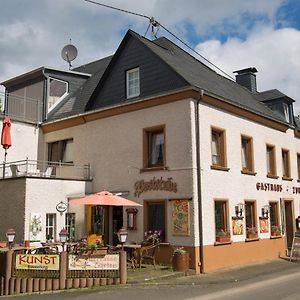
{"points": [[69, 53]]}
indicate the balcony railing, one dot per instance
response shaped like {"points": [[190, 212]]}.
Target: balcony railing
{"points": [[44, 169]]}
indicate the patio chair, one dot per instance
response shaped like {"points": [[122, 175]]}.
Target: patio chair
{"points": [[147, 252], [48, 172], [14, 170]]}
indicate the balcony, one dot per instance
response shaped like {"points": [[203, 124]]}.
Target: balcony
{"points": [[44, 169]]}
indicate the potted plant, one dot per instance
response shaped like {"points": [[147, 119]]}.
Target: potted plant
{"points": [[222, 236], [275, 230], [152, 236], [97, 248], [180, 260], [251, 232]]}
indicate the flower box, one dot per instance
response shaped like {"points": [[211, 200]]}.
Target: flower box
{"points": [[223, 239], [275, 233], [252, 236]]}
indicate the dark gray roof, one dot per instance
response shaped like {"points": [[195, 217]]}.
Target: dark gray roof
{"points": [[271, 95], [202, 77], [75, 102]]}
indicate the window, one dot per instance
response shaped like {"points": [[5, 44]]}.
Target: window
{"points": [[156, 217], [221, 221], [97, 220], [298, 165], [286, 112], [250, 214], [154, 147], [70, 225], [247, 154], [56, 91], [286, 172], [50, 227], [61, 151], [133, 83], [218, 154], [271, 161], [274, 217]]}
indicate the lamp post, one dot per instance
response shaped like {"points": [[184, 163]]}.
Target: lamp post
{"points": [[122, 236], [10, 234], [63, 235]]}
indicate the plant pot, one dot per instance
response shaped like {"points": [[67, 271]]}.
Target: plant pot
{"points": [[181, 262], [275, 233], [101, 251], [252, 235], [222, 239]]}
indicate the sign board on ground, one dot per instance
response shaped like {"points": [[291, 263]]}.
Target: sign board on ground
{"points": [[37, 262], [295, 251], [108, 262]]}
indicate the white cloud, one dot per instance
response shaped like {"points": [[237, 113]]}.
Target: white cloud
{"points": [[275, 54]]}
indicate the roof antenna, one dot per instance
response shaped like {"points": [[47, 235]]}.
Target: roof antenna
{"points": [[153, 25], [69, 53]]}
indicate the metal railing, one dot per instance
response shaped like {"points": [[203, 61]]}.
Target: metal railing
{"points": [[44, 169], [22, 108]]}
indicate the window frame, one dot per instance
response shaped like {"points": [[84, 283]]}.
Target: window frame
{"points": [[147, 147], [249, 155], [224, 203], [286, 164], [128, 72], [271, 159], [60, 98], [254, 222], [276, 213], [220, 133], [67, 224], [61, 144], [147, 203], [49, 227]]}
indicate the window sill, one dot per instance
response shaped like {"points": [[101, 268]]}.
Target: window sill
{"points": [[150, 169], [219, 168], [286, 178], [272, 237], [222, 243], [164, 244], [246, 172], [252, 240], [272, 176]]}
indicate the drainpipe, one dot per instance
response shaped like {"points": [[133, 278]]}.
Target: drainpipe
{"points": [[198, 160]]}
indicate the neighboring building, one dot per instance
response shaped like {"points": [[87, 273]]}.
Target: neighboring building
{"points": [[204, 155]]}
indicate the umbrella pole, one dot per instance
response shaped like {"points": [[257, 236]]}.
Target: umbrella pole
{"points": [[5, 153]]}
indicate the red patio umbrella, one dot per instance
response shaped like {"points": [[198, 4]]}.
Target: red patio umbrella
{"points": [[5, 138], [104, 198]]}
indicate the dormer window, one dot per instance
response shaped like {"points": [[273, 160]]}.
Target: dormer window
{"points": [[57, 90], [286, 112], [132, 83]]}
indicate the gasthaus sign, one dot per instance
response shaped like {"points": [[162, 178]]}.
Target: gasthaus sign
{"points": [[37, 262]]}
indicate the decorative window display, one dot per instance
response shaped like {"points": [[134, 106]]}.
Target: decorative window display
{"points": [[264, 225], [35, 227], [180, 217]]}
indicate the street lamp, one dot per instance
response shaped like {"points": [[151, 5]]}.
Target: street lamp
{"points": [[10, 234], [122, 236], [265, 211], [239, 208], [63, 235]]}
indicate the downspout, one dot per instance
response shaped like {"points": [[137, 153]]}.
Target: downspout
{"points": [[45, 98], [198, 160]]}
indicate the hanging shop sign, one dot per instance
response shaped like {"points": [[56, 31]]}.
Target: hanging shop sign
{"points": [[37, 262], [61, 207], [180, 217], [272, 187], [154, 184], [107, 262]]}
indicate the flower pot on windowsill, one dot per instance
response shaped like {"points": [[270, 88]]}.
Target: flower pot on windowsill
{"points": [[223, 239], [180, 262], [251, 236], [275, 233]]}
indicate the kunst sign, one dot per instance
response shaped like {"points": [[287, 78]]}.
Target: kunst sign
{"points": [[37, 262]]}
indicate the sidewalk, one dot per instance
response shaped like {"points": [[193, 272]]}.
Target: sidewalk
{"points": [[165, 275]]}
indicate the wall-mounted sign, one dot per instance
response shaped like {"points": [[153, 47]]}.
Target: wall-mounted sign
{"points": [[35, 227], [264, 225], [37, 262], [266, 186], [154, 184], [108, 262], [237, 226], [61, 207], [180, 217]]}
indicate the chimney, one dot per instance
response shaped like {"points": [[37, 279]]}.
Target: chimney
{"points": [[247, 78]]}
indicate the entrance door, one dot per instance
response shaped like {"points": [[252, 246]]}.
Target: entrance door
{"points": [[289, 223], [117, 222]]}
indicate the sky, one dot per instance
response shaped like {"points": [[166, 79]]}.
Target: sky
{"points": [[233, 34]]}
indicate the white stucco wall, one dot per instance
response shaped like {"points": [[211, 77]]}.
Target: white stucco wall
{"points": [[114, 148], [233, 185]]}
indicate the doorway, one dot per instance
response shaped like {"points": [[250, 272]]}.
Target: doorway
{"points": [[289, 223], [117, 222]]}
